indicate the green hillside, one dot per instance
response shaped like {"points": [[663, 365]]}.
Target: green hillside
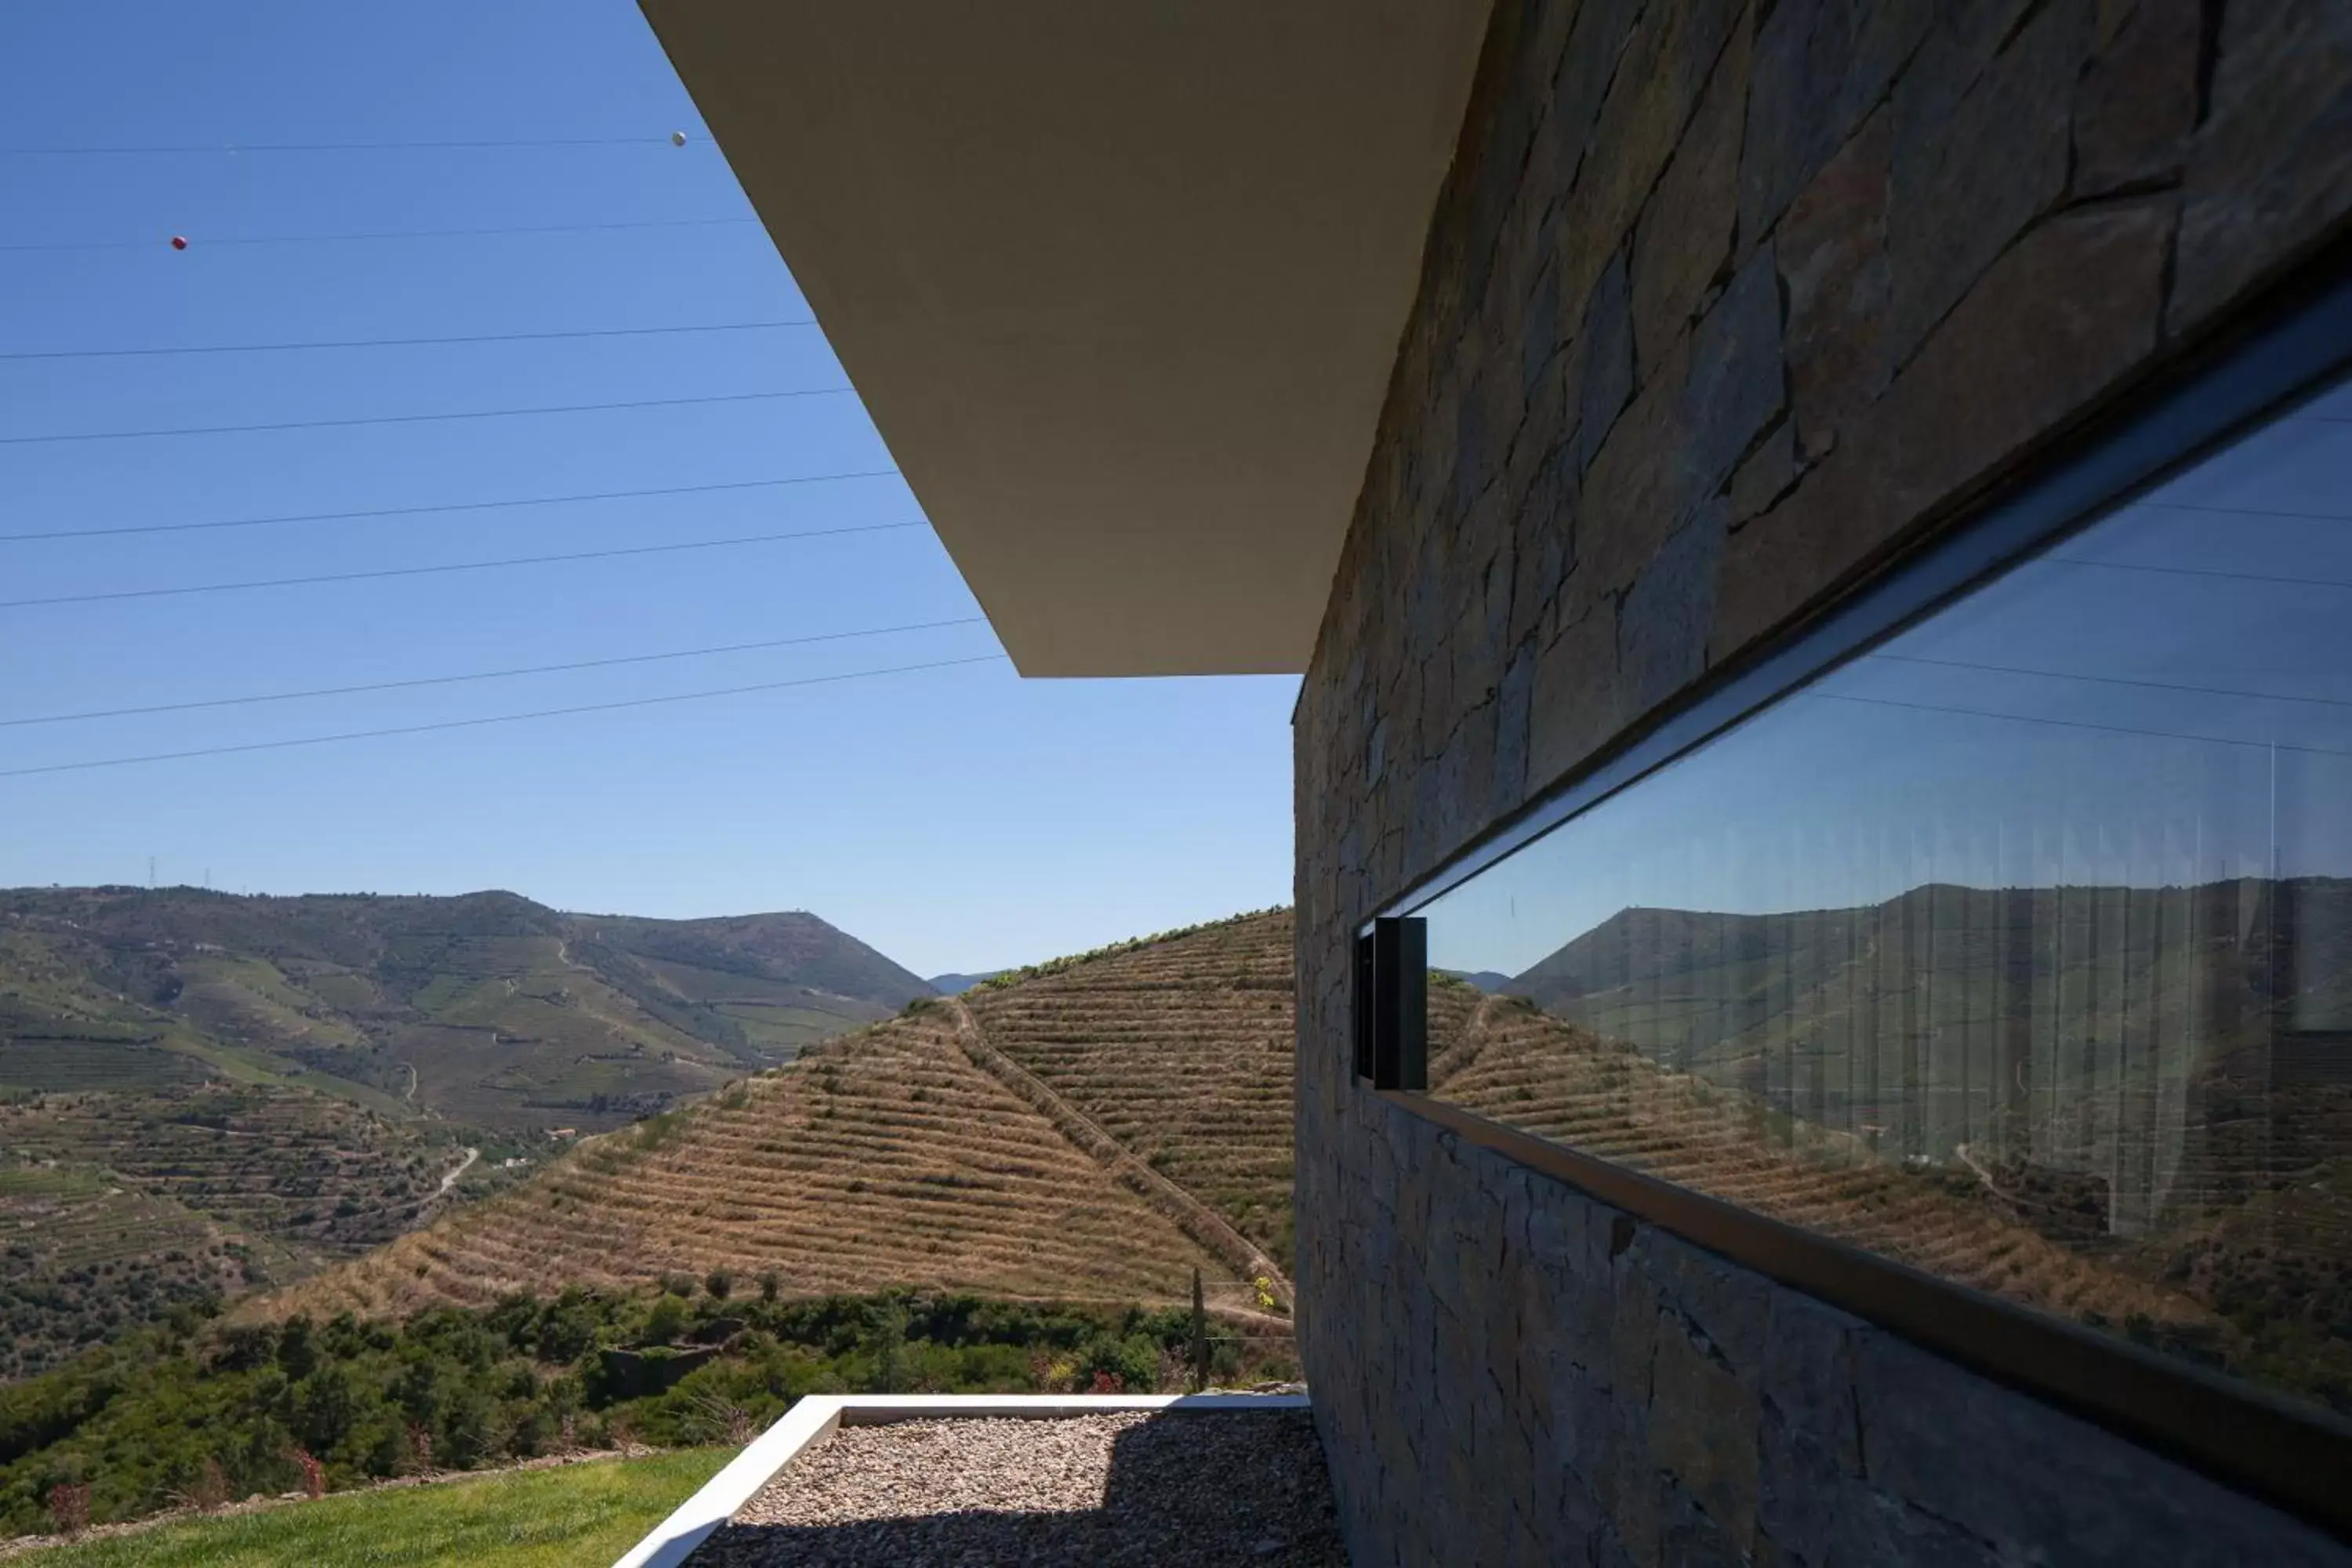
{"points": [[488, 1009], [541, 1517], [202, 1094]]}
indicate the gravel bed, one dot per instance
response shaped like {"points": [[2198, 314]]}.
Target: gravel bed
{"points": [[1142, 1486]]}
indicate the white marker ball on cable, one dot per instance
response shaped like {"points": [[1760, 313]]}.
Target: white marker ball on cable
{"points": [[678, 138]]}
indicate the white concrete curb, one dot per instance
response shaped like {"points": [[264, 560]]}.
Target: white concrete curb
{"points": [[815, 1418]]}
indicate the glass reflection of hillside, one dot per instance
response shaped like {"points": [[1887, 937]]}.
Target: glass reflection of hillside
{"points": [[2131, 1107]]}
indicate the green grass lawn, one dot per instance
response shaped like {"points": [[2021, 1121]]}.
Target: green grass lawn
{"points": [[584, 1514]]}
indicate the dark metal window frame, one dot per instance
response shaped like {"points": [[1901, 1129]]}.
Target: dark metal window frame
{"points": [[2295, 1456]]}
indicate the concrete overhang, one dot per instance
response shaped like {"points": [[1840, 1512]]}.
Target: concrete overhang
{"points": [[1120, 283]]}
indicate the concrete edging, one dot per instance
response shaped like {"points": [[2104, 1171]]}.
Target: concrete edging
{"points": [[816, 1416]]}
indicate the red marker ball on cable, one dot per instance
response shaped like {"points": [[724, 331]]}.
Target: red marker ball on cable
{"points": [[179, 242]]}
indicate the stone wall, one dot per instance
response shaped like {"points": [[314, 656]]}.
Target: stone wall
{"points": [[1723, 305]]}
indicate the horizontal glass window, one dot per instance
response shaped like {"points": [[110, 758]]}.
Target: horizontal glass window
{"points": [[2017, 949]]}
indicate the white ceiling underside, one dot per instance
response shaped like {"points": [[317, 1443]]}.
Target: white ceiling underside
{"points": [[1120, 283]]}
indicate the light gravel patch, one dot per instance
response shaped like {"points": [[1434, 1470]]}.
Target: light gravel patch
{"points": [[1170, 1487]]}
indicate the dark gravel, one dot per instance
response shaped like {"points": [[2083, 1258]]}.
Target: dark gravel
{"points": [[1168, 1488]]}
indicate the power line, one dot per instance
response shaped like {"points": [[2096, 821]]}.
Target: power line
{"points": [[406, 343], [488, 674], [2247, 512], [423, 418], [2200, 571], [2109, 679], [444, 507], [494, 718], [2078, 724], [455, 566], [665, 140], [202, 242]]}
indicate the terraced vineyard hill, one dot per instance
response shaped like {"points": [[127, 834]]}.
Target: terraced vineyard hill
{"points": [[115, 1206], [82, 1258], [2003, 1229], [202, 1094], [1089, 1129], [1183, 1052]]}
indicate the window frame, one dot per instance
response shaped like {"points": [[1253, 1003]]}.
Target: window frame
{"points": [[2292, 1455]]}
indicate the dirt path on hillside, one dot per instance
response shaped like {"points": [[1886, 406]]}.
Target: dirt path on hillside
{"points": [[1194, 1217], [464, 1165], [1469, 1046]]}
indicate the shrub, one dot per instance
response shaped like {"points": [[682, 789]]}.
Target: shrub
{"points": [[665, 1321], [207, 1490], [69, 1507], [1130, 1362], [720, 1283]]}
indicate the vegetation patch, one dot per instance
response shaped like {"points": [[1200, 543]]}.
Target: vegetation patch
{"points": [[196, 1411]]}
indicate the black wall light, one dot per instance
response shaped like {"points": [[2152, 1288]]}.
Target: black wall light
{"points": [[1391, 1003]]}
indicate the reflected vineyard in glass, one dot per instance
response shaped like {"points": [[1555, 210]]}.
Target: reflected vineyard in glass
{"points": [[2018, 950]]}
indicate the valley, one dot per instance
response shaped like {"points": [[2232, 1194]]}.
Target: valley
{"points": [[202, 1096], [1014, 1188]]}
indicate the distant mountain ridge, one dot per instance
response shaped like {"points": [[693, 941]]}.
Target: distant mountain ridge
{"points": [[954, 984], [487, 1007], [200, 1093]]}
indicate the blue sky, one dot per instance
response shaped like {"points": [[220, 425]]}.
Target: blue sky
{"points": [[956, 817], [2161, 700]]}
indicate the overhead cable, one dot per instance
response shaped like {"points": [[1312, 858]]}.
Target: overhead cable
{"points": [[443, 507], [2271, 577], [204, 242], [425, 418], [116, 594], [494, 718], [2108, 679], [2075, 724], [488, 674], [406, 343], [667, 139]]}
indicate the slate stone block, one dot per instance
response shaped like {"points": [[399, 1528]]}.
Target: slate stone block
{"points": [[1969, 178], [1819, 66], [1737, 382], [1664, 618], [2022, 1476], [1703, 1429], [1607, 357], [2270, 173], [1809, 1448], [1683, 241], [2137, 104], [1513, 699], [1832, 250], [2025, 351], [1576, 700]]}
